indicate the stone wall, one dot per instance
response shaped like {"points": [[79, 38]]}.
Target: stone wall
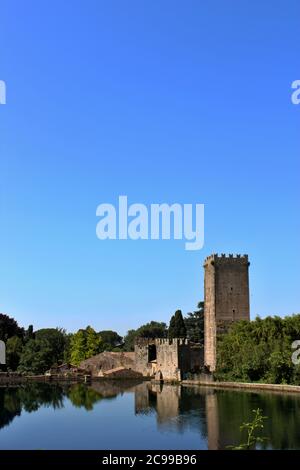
{"points": [[197, 358], [168, 361], [173, 357], [141, 352]]}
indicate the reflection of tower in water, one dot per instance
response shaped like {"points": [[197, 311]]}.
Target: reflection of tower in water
{"points": [[178, 408], [162, 399], [212, 420]]}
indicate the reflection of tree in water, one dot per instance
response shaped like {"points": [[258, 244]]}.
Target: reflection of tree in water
{"points": [[218, 414], [82, 396], [35, 395], [10, 405], [29, 398], [193, 408], [214, 414], [282, 428]]}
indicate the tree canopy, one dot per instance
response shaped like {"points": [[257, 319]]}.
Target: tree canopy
{"points": [[84, 344], [153, 329], [9, 327], [42, 352], [110, 340], [259, 351]]}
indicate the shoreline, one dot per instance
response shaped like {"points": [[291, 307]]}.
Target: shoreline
{"points": [[15, 379], [244, 385]]}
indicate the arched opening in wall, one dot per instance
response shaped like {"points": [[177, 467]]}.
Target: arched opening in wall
{"points": [[152, 353]]}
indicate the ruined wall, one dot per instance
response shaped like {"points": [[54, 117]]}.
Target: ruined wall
{"points": [[172, 357], [197, 358], [141, 353], [107, 361], [226, 297]]}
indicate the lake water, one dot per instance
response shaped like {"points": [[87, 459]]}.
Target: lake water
{"points": [[120, 415]]}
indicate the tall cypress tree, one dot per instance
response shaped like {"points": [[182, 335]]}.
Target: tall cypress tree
{"points": [[177, 327]]}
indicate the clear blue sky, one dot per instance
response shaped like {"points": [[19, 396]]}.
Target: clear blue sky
{"points": [[163, 101]]}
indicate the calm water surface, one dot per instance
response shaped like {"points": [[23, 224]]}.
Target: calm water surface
{"points": [[119, 415]]}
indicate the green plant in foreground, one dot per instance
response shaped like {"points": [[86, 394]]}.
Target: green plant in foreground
{"points": [[252, 428]]}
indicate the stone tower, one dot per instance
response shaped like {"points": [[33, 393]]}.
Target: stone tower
{"points": [[226, 297]]}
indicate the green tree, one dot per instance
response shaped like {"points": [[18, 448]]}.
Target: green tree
{"points": [[14, 347], [56, 340], [78, 347], [177, 327], [84, 344], [110, 340], [153, 329], [129, 340], [259, 351], [44, 351], [36, 357], [93, 342], [29, 334], [194, 323], [9, 327], [67, 350]]}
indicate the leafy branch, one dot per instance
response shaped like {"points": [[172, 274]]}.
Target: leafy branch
{"points": [[252, 429]]}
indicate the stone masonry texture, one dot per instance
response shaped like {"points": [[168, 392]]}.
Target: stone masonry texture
{"points": [[226, 299]]}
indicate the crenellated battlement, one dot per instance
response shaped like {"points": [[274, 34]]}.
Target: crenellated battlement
{"points": [[142, 342], [172, 341], [223, 258], [162, 357]]}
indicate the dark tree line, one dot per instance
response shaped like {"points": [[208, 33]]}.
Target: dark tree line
{"points": [[34, 352], [260, 351]]}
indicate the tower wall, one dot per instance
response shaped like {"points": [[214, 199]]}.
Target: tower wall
{"points": [[226, 296]]}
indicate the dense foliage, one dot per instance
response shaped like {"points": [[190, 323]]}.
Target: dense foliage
{"points": [[153, 329], [84, 344], [110, 340], [9, 327], [194, 323], [260, 351], [41, 352], [34, 352], [256, 351]]}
